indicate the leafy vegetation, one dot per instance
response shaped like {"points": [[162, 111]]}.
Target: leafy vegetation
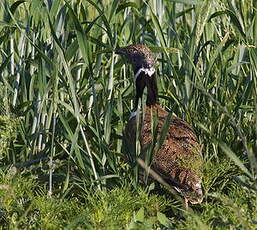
{"points": [[65, 98]]}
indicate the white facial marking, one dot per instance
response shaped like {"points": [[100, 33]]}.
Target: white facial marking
{"points": [[133, 114], [149, 71], [198, 185]]}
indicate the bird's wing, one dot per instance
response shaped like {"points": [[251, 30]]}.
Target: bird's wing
{"points": [[179, 158]]}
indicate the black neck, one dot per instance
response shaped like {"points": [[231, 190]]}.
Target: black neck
{"points": [[152, 91], [142, 81]]}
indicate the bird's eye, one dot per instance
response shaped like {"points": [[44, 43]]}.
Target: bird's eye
{"points": [[132, 50]]}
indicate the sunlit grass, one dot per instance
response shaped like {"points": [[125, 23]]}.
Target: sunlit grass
{"points": [[65, 99]]}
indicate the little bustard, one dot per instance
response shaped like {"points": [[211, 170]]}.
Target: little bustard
{"points": [[178, 160]]}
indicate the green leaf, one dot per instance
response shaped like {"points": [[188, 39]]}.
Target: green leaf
{"points": [[13, 8], [203, 15], [234, 158], [4, 64], [140, 216], [125, 5], [164, 131], [158, 28], [190, 2], [233, 18], [81, 36], [105, 21], [54, 8], [163, 219]]}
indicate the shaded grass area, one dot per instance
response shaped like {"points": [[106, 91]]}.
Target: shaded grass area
{"points": [[25, 205]]}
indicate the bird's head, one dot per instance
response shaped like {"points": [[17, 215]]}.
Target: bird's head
{"points": [[139, 56], [142, 61]]}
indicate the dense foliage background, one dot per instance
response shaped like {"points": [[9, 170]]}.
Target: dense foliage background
{"points": [[65, 98]]}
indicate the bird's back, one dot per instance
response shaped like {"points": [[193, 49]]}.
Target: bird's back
{"points": [[179, 159]]}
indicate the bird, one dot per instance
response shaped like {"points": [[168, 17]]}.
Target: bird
{"points": [[179, 159]]}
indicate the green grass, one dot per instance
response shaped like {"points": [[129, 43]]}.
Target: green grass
{"points": [[25, 205], [65, 98]]}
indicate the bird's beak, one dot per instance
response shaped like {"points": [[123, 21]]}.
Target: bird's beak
{"points": [[121, 51]]}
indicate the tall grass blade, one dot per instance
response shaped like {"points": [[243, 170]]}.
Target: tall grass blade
{"points": [[235, 159]]}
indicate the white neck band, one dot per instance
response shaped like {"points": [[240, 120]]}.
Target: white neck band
{"points": [[148, 71]]}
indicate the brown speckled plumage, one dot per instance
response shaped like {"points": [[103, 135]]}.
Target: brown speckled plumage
{"points": [[179, 159]]}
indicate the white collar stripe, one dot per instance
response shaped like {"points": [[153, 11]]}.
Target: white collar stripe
{"points": [[148, 71]]}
